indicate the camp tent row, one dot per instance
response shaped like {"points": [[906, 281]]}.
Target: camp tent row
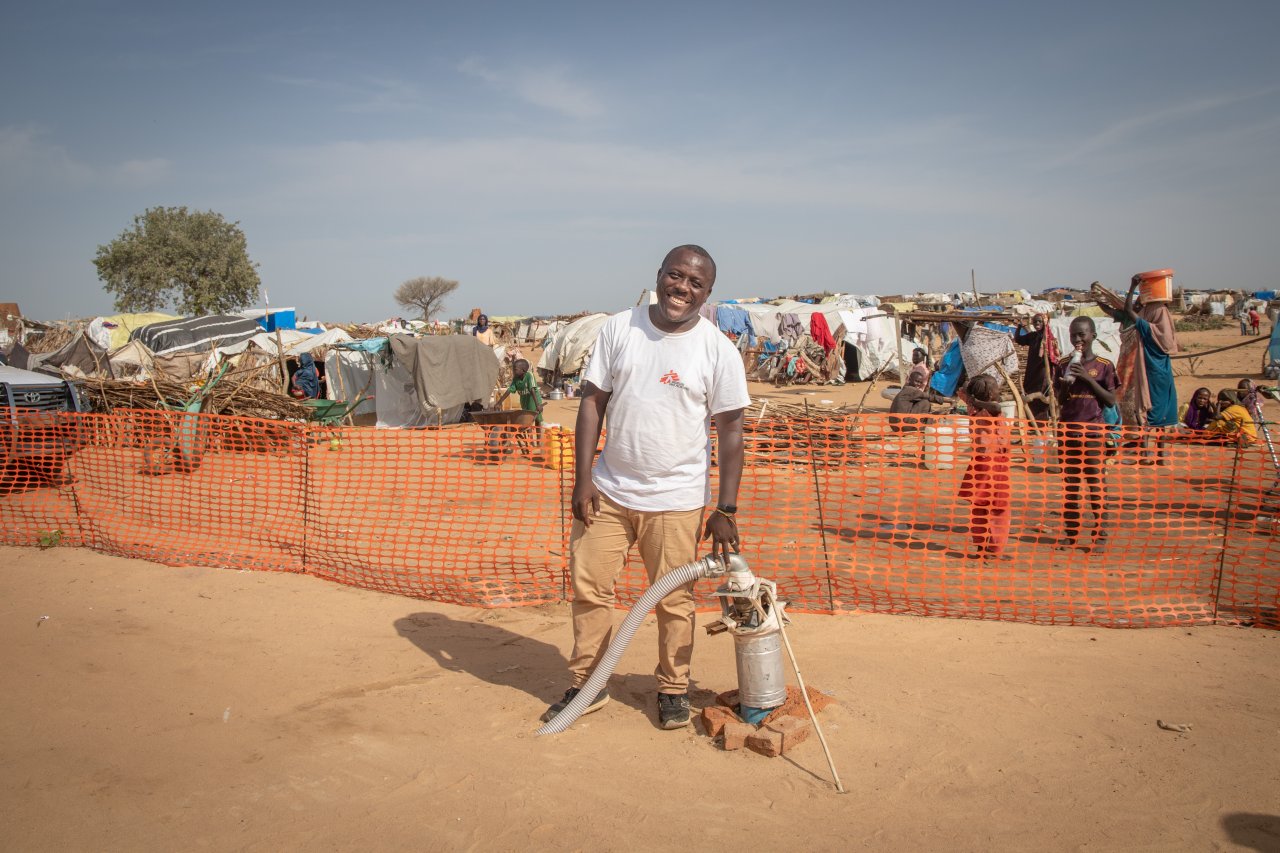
{"points": [[868, 329]]}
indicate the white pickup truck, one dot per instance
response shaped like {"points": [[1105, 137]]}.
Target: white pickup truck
{"points": [[35, 441]]}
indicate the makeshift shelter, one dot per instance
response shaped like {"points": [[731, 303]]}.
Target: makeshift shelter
{"points": [[114, 331], [875, 342], [197, 333], [293, 342], [132, 360], [413, 381], [565, 353], [78, 358]]}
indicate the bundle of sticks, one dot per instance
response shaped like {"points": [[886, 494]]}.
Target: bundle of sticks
{"points": [[774, 410], [1108, 298], [229, 396]]}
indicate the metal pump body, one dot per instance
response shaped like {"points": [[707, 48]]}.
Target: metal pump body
{"points": [[751, 612]]}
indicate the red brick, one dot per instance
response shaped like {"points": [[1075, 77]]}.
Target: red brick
{"points": [[714, 719], [794, 706], [728, 700], [766, 742], [794, 731], [736, 734]]}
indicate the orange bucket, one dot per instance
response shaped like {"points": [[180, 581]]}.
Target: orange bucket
{"points": [[1155, 285]]}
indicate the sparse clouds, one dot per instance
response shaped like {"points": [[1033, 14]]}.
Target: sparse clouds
{"points": [[549, 87], [29, 157], [524, 173], [361, 95], [1168, 121], [137, 173]]}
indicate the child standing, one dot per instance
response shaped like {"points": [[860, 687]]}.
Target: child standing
{"points": [[526, 386], [1086, 383], [986, 481]]}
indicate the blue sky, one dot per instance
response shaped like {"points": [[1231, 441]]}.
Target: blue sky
{"points": [[547, 154]]}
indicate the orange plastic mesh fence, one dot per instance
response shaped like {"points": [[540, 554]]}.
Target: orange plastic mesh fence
{"points": [[930, 515]]}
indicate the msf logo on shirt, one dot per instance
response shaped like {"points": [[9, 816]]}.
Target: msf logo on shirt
{"points": [[672, 378]]}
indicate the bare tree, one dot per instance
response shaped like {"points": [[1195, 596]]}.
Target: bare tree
{"points": [[426, 293]]}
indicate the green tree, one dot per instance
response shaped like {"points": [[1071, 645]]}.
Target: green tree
{"points": [[193, 261], [426, 293]]}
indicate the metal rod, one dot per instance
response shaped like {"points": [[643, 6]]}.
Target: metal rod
{"points": [[1226, 529], [822, 523], [804, 693]]}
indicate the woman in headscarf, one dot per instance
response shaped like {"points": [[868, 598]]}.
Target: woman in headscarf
{"points": [[1200, 410], [306, 379], [482, 331], [1042, 351], [1154, 325]]}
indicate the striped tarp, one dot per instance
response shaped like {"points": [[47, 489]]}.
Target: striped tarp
{"points": [[195, 333]]}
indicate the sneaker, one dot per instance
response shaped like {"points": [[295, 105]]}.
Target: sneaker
{"points": [[673, 710], [602, 699]]}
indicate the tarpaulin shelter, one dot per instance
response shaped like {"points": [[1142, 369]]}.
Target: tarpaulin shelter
{"points": [[196, 333], [293, 342], [112, 332], [567, 351], [77, 358], [874, 337], [414, 381]]}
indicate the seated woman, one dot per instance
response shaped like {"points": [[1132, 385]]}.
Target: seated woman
{"points": [[1233, 420], [305, 383], [1200, 410]]}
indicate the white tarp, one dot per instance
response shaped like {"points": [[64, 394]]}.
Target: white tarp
{"points": [[764, 320], [350, 374], [294, 342], [1107, 345], [568, 350], [395, 401], [872, 334]]}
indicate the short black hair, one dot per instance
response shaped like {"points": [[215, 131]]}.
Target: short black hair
{"points": [[1093, 327], [695, 249]]}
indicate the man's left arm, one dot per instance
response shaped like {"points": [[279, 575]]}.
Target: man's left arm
{"points": [[722, 524]]}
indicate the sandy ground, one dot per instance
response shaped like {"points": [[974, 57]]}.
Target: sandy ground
{"points": [[159, 708], [152, 708]]}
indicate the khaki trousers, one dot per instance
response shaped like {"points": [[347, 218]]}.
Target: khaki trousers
{"points": [[667, 540]]}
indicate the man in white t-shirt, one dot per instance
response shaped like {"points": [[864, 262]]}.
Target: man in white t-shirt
{"points": [[663, 373]]}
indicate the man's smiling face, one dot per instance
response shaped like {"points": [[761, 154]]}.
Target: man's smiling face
{"points": [[683, 285]]}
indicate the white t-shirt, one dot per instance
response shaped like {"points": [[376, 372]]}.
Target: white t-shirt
{"points": [[665, 388]]}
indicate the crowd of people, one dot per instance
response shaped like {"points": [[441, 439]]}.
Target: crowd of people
{"points": [[1089, 397]]}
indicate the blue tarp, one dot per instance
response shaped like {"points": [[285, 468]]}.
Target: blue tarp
{"points": [[373, 345], [1268, 295], [735, 320], [946, 377]]}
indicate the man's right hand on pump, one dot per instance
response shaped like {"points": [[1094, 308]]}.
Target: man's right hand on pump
{"points": [[586, 501]]}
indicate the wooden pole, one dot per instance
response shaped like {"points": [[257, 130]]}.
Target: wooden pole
{"points": [[897, 348], [1048, 372], [284, 370]]}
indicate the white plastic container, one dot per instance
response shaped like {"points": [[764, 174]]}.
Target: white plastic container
{"points": [[944, 442]]}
